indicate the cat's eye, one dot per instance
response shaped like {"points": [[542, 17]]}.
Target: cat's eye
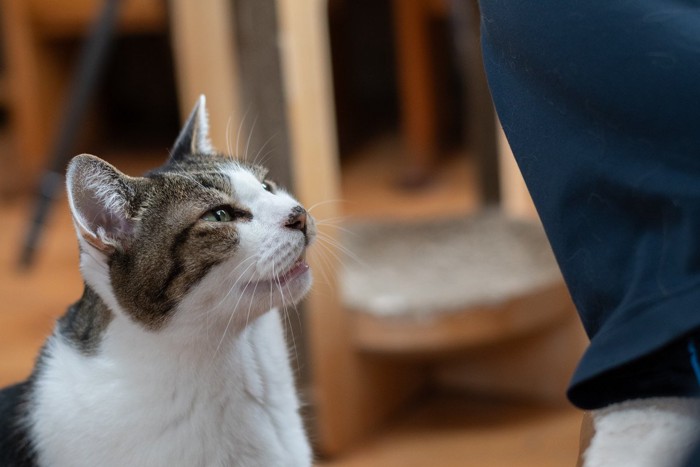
{"points": [[221, 214], [269, 186], [218, 215], [226, 214]]}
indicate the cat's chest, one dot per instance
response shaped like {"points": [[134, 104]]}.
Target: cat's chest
{"points": [[180, 413]]}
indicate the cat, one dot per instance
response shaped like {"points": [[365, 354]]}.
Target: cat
{"points": [[175, 354]]}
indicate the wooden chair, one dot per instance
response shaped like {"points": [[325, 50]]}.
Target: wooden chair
{"points": [[364, 369]]}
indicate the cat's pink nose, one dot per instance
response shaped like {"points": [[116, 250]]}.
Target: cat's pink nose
{"points": [[297, 220]]}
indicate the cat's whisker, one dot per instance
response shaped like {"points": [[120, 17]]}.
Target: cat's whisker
{"points": [[240, 276], [229, 151], [257, 160], [264, 159], [330, 225], [323, 264], [230, 319], [341, 254], [250, 137], [250, 304], [294, 305], [279, 286], [335, 242], [237, 155], [331, 244], [291, 327], [233, 286], [271, 306], [285, 313], [331, 220], [324, 202], [290, 332], [230, 274], [228, 323]]}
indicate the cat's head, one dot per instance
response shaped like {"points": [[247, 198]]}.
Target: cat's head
{"points": [[204, 237]]}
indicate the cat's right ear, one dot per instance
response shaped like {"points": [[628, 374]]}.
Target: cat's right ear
{"points": [[100, 199], [194, 136]]}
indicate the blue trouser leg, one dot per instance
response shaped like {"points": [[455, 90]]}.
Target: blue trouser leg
{"points": [[600, 101]]}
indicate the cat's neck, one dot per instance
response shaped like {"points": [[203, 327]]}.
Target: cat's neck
{"points": [[213, 353], [253, 361]]}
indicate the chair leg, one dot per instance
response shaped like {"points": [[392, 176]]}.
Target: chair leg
{"points": [[91, 64], [417, 94]]}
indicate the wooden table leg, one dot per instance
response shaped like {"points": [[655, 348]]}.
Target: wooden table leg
{"points": [[416, 88]]}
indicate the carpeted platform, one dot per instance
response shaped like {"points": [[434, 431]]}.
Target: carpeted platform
{"points": [[444, 266]]}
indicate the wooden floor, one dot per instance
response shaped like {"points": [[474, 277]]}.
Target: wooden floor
{"points": [[444, 431], [30, 301], [459, 430]]}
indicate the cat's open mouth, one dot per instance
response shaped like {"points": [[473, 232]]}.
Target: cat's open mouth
{"points": [[299, 267]]}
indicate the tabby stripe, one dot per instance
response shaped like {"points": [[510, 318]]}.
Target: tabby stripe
{"points": [[167, 294]]}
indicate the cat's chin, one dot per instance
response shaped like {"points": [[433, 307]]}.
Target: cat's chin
{"points": [[290, 286], [298, 269]]}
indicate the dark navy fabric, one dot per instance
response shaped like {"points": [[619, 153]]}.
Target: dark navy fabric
{"points": [[600, 100], [694, 458]]}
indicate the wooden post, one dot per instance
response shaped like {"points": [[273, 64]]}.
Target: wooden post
{"points": [[31, 84], [416, 81], [351, 394], [515, 197], [205, 58]]}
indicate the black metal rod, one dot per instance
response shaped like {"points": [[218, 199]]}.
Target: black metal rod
{"points": [[90, 67]]}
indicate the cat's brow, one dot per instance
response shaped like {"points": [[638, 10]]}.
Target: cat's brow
{"points": [[210, 180], [258, 171]]}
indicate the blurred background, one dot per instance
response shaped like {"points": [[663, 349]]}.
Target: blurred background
{"points": [[439, 331]]}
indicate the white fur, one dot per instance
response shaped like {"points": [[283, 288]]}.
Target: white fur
{"points": [[149, 400], [656, 432], [212, 388], [274, 247]]}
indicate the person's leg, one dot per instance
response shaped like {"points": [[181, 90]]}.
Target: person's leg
{"points": [[601, 104], [600, 101]]}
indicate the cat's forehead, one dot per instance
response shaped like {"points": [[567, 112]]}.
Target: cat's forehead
{"points": [[227, 176], [208, 162]]}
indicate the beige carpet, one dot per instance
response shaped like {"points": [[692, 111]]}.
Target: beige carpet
{"points": [[443, 266]]}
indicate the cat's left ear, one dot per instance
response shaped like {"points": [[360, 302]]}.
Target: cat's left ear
{"points": [[194, 136], [101, 199]]}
